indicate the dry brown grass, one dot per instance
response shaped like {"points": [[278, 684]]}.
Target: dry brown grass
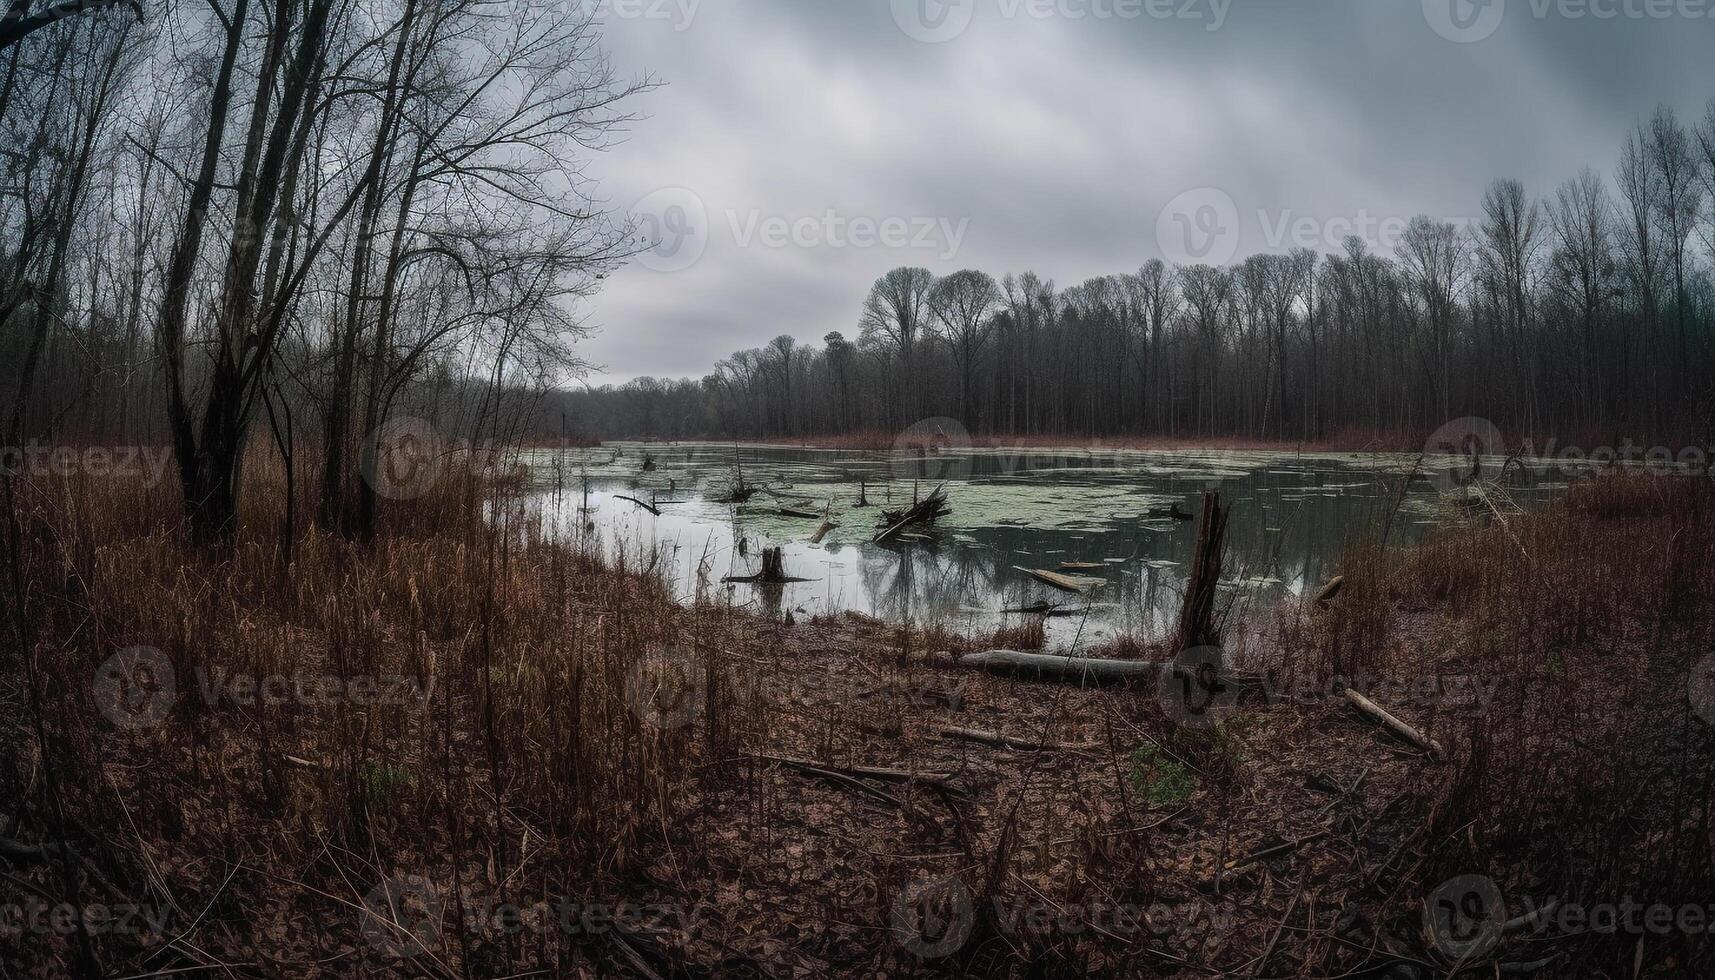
{"points": [[522, 758], [1587, 777], [533, 770]]}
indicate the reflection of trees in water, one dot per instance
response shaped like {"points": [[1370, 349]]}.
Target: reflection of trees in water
{"points": [[920, 582], [1289, 522]]}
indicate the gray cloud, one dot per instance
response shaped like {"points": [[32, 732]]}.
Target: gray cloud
{"points": [[1060, 138]]}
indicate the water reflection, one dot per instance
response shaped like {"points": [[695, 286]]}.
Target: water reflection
{"points": [[1292, 515]]}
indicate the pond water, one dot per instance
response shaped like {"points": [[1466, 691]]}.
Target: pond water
{"points": [[1010, 509]]}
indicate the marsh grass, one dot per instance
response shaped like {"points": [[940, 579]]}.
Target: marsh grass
{"points": [[501, 735], [1588, 776], [563, 727]]}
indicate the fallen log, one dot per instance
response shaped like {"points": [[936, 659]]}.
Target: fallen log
{"points": [[1285, 847], [794, 512], [1052, 667], [870, 772], [822, 532], [1327, 593], [850, 782], [1082, 566], [1066, 583], [648, 507], [19, 852], [1011, 741], [1380, 716]]}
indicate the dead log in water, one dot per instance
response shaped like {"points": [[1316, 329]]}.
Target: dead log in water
{"points": [[925, 512], [1066, 583], [648, 507]]}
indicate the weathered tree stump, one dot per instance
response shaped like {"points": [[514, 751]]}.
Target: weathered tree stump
{"points": [[1199, 625], [773, 566]]}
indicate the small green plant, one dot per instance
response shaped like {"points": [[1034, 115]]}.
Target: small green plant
{"points": [[381, 782], [1160, 778]]}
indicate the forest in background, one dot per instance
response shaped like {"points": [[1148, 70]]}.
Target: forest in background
{"points": [[286, 224], [1588, 311]]}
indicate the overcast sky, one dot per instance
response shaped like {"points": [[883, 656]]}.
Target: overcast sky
{"points": [[797, 149]]}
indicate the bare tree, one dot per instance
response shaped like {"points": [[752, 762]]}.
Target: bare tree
{"points": [[894, 313], [962, 303], [1677, 205], [1434, 257], [19, 22], [1582, 216]]}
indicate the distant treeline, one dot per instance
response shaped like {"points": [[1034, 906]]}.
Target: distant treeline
{"points": [[1590, 310]]}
